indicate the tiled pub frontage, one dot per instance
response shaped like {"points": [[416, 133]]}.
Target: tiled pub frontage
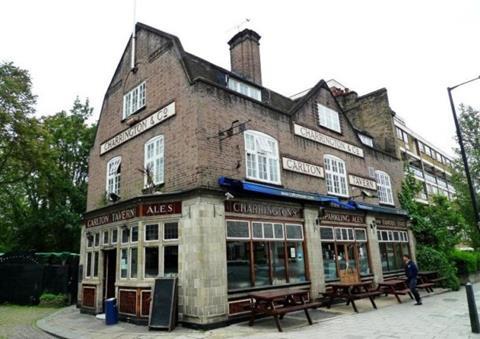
{"points": [[223, 248]]}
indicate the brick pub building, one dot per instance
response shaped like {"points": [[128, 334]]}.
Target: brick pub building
{"points": [[202, 173]]}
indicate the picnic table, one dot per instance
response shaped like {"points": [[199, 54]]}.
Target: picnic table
{"points": [[430, 279], [351, 291], [396, 287], [277, 303]]}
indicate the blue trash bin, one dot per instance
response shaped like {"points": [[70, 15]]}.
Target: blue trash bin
{"points": [[111, 311]]}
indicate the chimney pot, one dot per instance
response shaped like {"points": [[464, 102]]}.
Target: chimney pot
{"points": [[245, 55]]}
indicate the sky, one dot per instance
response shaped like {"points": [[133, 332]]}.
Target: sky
{"points": [[415, 49]]}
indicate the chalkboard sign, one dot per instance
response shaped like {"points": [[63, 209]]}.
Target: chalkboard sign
{"points": [[163, 308]]}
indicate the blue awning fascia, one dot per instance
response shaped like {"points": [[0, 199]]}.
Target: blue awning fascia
{"points": [[381, 209], [277, 191]]}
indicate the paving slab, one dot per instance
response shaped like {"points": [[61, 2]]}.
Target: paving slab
{"points": [[443, 315]]}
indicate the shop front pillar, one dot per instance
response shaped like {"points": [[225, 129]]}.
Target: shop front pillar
{"points": [[203, 296], [374, 249], [314, 249]]}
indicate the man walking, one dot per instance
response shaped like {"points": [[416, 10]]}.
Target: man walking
{"points": [[411, 272]]}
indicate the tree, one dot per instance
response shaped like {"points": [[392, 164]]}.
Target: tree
{"points": [[437, 228], [18, 146], [469, 120], [56, 192]]}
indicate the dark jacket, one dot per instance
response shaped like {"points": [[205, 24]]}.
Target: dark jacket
{"points": [[411, 270]]}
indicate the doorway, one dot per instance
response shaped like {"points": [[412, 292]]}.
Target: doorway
{"points": [[109, 273]]}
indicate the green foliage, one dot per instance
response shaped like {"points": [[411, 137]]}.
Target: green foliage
{"points": [[466, 262], [43, 169], [469, 120], [430, 259], [437, 227], [53, 300]]}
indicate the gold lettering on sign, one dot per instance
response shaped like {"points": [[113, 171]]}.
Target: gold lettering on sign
{"points": [[344, 218], [302, 167], [362, 182], [244, 207], [324, 139]]}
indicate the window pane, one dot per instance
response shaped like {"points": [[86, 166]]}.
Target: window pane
{"points": [[125, 234], [171, 230], [114, 236], [151, 262], [134, 233], [329, 265], [133, 262], [170, 264], [97, 239], [391, 257], [237, 229], [363, 258], [268, 231], [151, 232], [296, 262], [294, 232], [261, 266], [278, 231], [89, 240], [278, 262], [89, 264], [124, 263], [257, 230], [95, 264], [238, 264], [360, 235], [326, 233], [383, 255], [105, 238]]}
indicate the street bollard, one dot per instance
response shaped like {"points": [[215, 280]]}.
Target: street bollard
{"points": [[472, 308]]}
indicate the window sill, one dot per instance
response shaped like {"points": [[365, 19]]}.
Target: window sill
{"points": [[125, 119], [154, 189], [260, 181]]}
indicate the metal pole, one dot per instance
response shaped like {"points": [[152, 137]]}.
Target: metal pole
{"points": [[472, 309], [464, 158]]}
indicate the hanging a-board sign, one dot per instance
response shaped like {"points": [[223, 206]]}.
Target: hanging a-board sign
{"points": [[163, 307]]}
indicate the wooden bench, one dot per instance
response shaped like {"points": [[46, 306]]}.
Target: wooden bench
{"points": [[277, 303], [428, 286]]}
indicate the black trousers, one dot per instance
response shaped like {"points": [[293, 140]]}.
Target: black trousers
{"points": [[412, 285]]}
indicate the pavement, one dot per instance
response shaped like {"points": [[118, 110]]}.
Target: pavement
{"points": [[443, 314]]}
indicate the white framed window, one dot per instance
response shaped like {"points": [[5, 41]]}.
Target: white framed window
{"points": [[328, 118], [360, 234], [154, 161], [344, 234], [170, 231], [267, 231], [385, 194], [261, 154], [336, 176], [245, 89], [151, 232], [106, 237], [134, 100], [326, 234], [114, 236], [237, 229], [365, 140], [114, 167], [294, 231]]}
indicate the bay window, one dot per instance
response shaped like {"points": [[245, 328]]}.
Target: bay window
{"points": [[393, 245], [335, 176], [342, 248], [262, 159], [264, 254]]}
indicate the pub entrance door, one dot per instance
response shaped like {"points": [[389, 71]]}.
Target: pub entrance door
{"points": [[109, 273]]}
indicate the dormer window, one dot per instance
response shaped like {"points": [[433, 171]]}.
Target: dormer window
{"points": [[245, 89], [134, 100], [328, 118], [365, 140]]}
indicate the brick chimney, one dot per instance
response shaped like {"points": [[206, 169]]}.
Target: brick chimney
{"points": [[245, 55]]}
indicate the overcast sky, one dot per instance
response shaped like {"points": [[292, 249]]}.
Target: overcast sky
{"points": [[413, 48]]}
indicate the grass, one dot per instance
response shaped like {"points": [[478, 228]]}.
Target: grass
{"points": [[15, 319]]}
